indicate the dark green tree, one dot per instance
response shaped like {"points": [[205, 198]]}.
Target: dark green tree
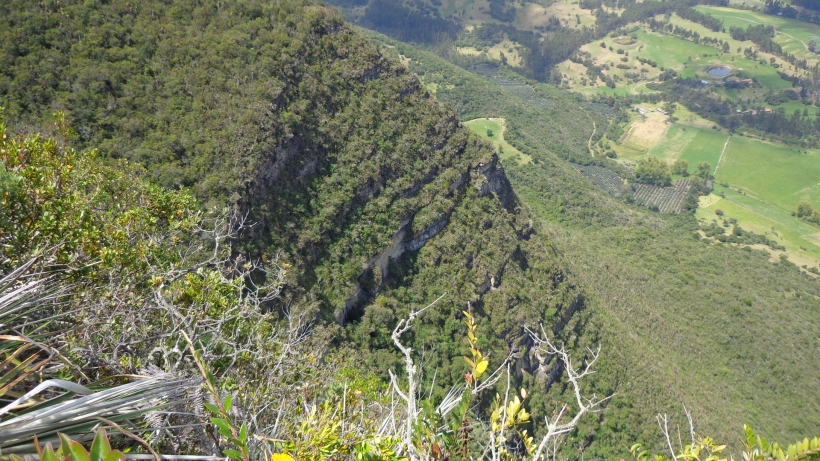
{"points": [[704, 170], [680, 167], [804, 209], [652, 170]]}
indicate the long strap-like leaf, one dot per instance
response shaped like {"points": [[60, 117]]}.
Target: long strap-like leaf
{"points": [[61, 383]]}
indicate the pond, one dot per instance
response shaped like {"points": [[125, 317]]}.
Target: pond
{"points": [[720, 71]]}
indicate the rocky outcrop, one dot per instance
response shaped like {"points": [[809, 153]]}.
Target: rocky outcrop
{"points": [[489, 178], [496, 182]]}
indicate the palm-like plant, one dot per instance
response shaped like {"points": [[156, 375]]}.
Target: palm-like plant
{"points": [[35, 404]]}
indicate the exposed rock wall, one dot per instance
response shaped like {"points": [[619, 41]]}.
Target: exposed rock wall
{"points": [[488, 178]]}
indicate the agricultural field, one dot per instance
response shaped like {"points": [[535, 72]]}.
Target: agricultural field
{"points": [[765, 181], [687, 58], [664, 199], [801, 239], [492, 129], [692, 139], [604, 178], [760, 183], [532, 16], [766, 75], [772, 173], [529, 15], [691, 144], [644, 132]]}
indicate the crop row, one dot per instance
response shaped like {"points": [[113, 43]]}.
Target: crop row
{"points": [[664, 199], [604, 178], [523, 91]]}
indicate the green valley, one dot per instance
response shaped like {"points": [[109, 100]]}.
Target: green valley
{"points": [[656, 294], [770, 178], [410, 229]]}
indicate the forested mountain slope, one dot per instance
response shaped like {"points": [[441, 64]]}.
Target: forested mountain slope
{"points": [[719, 329], [367, 189], [378, 202]]}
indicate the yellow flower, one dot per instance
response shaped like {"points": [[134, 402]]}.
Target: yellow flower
{"points": [[281, 457]]}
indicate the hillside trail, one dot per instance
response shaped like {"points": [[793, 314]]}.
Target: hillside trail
{"points": [[594, 127], [636, 86], [721, 155]]}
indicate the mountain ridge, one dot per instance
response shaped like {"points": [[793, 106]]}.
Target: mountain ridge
{"points": [[372, 194]]}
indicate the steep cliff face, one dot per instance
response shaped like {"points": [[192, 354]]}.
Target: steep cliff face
{"points": [[355, 176], [488, 179]]}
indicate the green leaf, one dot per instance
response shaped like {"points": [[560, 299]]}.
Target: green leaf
{"points": [[234, 454], [100, 448], [48, 454], [74, 450], [115, 455], [212, 408], [750, 435], [481, 367], [243, 434], [223, 425], [228, 402]]}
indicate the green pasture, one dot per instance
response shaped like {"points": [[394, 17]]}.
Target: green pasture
{"points": [[671, 146], [693, 60], [789, 38], [773, 173], [793, 37], [668, 51], [689, 118], [765, 182], [765, 74], [696, 145], [689, 59], [704, 32], [757, 97], [791, 106], [706, 146], [681, 141], [505, 150], [800, 238]]}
